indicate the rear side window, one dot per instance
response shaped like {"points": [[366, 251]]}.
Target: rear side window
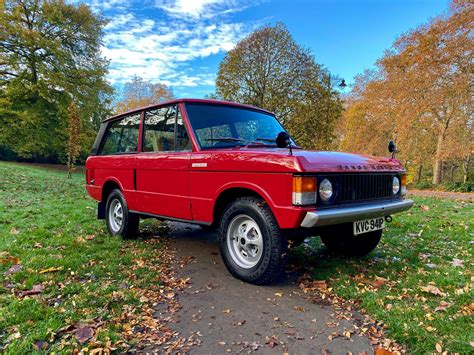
{"points": [[164, 131], [122, 136]]}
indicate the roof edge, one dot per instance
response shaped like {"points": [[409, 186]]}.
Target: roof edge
{"points": [[176, 101]]}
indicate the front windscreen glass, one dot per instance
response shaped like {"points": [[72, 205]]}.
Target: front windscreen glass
{"points": [[219, 126]]}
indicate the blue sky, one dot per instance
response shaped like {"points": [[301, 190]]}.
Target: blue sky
{"points": [[181, 42]]}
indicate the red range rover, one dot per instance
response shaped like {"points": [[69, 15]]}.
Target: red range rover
{"points": [[234, 168]]}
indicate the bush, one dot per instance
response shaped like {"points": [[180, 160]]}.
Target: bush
{"points": [[459, 186], [424, 185]]}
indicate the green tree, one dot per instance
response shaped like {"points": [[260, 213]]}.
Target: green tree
{"points": [[269, 69], [140, 92], [49, 56]]}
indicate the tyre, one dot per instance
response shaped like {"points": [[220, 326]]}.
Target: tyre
{"points": [[340, 239], [120, 221], [250, 242]]}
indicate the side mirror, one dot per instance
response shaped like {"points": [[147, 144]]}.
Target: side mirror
{"points": [[282, 140], [392, 147]]}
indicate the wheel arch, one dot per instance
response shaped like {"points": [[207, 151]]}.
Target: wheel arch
{"points": [[107, 188], [229, 193]]}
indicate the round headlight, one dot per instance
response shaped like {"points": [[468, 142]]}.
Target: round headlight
{"points": [[395, 185], [325, 190]]}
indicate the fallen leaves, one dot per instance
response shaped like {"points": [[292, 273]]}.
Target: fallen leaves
{"points": [[7, 259], [433, 290], [378, 281], [311, 286], [457, 262], [13, 269], [40, 345], [35, 290], [443, 305], [84, 334], [425, 207]]}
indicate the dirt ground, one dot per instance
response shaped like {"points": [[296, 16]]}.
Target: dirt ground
{"points": [[465, 196], [229, 316]]}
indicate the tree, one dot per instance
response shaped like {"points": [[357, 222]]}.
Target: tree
{"points": [[420, 94], [49, 55], [269, 69], [74, 128], [140, 92]]}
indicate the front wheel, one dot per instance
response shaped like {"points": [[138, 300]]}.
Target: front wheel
{"points": [[340, 239], [120, 221], [250, 242]]}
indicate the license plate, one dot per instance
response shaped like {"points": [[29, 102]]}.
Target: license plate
{"points": [[369, 225]]}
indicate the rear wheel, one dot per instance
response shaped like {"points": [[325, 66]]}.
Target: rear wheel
{"points": [[250, 241], [120, 221], [340, 239]]}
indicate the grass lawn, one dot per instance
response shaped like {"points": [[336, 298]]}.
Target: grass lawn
{"points": [[64, 283], [418, 281]]}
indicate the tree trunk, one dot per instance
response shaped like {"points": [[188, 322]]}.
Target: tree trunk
{"points": [[453, 169], [465, 166], [438, 163], [420, 171]]}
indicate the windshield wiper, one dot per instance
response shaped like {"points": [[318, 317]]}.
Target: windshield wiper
{"points": [[249, 143], [226, 139], [272, 140]]}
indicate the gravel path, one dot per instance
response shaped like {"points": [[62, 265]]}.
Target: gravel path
{"points": [[229, 316]]}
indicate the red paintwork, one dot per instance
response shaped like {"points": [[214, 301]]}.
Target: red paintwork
{"points": [[168, 185]]}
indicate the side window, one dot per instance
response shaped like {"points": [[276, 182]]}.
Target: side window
{"points": [[159, 133], [122, 136]]}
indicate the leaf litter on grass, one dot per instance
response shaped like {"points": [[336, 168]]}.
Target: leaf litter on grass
{"points": [[90, 297], [418, 284]]}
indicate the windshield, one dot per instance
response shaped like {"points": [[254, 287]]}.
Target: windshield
{"points": [[217, 126]]}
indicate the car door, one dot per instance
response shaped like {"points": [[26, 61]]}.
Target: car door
{"points": [[162, 166]]}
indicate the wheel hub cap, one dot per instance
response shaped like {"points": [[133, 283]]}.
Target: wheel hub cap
{"points": [[244, 241], [115, 215]]}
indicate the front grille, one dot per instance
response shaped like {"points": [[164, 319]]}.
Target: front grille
{"points": [[362, 187], [354, 188]]}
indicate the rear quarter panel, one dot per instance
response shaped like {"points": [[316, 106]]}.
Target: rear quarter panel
{"points": [[117, 168]]}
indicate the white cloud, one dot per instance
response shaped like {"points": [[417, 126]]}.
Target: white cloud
{"points": [[162, 51], [192, 8], [160, 40]]}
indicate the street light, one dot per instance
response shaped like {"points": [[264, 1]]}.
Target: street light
{"points": [[343, 84]]}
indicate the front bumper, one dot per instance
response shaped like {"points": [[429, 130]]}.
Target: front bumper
{"points": [[339, 215]]}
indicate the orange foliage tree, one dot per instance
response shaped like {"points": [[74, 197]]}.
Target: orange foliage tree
{"points": [[420, 95], [140, 92]]}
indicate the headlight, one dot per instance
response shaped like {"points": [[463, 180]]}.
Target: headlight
{"points": [[395, 185], [325, 190]]}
